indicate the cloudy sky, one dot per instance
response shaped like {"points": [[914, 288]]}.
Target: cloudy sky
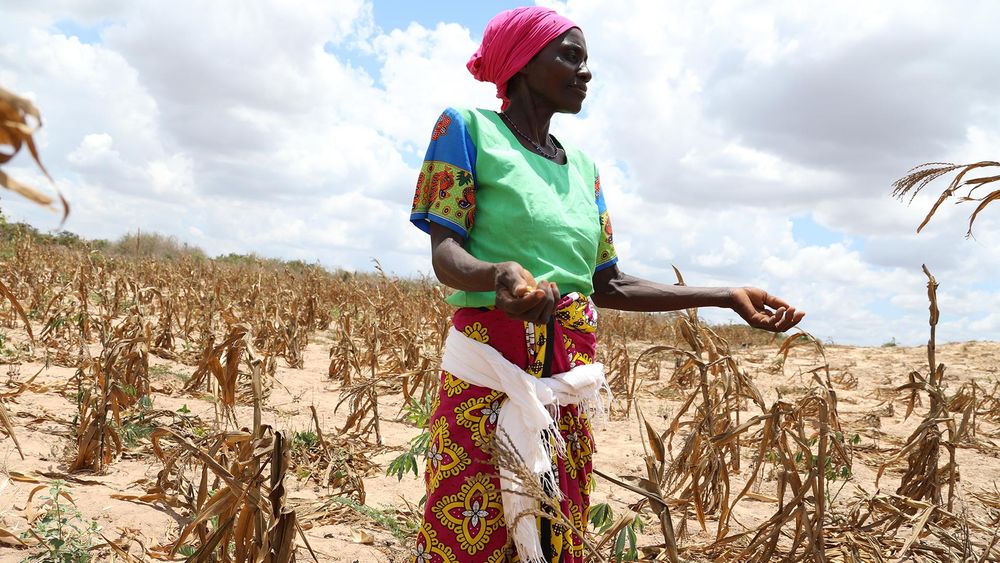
{"points": [[744, 142]]}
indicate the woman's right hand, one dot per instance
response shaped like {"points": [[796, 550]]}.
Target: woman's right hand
{"points": [[521, 297]]}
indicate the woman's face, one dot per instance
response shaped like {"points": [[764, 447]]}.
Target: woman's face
{"points": [[558, 74]]}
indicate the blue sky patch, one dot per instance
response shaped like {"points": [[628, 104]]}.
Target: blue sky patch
{"points": [[397, 14], [356, 58], [89, 35], [808, 232]]}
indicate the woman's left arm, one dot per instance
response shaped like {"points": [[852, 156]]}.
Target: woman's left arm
{"points": [[614, 289]]}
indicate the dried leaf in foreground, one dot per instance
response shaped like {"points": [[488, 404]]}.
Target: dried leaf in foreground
{"points": [[15, 132]]}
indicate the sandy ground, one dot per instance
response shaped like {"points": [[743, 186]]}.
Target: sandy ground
{"points": [[42, 420]]}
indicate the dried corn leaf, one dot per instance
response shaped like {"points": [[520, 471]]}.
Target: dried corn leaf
{"points": [[119, 550], [655, 443], [6, 293], [10, 538], [25, 191], [919, 177], [362, 537], [16, 132], [9, 428]]}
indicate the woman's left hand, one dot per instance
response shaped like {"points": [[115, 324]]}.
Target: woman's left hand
{"points": [[763, 310]]}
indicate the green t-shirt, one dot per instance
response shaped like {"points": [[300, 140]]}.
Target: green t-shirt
{"points": [[509, 203]]}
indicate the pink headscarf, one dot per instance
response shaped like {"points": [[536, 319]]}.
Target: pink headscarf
{"points": [[510, 40]]}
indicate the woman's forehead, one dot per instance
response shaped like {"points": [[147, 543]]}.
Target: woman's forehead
{"points": [[571, 37]]}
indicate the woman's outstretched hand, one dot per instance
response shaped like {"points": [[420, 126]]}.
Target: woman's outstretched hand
{"points": [[762, 310], [521, 297]]}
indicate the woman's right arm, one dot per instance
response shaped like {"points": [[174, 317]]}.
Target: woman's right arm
{"points": [[518, 294]]}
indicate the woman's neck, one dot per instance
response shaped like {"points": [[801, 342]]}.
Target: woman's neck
{"points": [[531, 120]]}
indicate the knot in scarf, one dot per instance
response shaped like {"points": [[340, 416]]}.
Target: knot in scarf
{"points": [[510, 40]]}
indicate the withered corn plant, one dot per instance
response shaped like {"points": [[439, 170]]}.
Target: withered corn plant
{"points": [[392, 347], [700, 472], [8, 426], [975, 401], [106, 387], [237, 512], [652, 489], [718, 389], [219, 370], [231, 486], [332, 462], [924, 477], [798, 438]]}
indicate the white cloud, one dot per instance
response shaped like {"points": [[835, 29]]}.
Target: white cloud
{"points": [[294, 129], [95, 150], [423, 71]]}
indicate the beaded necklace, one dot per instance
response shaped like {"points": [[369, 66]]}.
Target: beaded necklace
{"points": [[538, 148]]}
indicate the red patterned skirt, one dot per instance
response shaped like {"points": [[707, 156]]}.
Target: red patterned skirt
{"points": [[463, 516]]}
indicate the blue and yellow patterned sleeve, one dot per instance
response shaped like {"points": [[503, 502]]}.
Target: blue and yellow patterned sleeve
{"points": [[606, 255], [446, 186]]}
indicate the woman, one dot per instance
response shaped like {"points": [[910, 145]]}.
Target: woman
{"points": [[505, 203]]}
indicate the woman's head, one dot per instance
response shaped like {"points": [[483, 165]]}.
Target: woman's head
{"points": [[556, 78], [539, 47]]}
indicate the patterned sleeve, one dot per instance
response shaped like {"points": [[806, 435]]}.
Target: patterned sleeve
{"points": [[446, 186], [606, 255]]}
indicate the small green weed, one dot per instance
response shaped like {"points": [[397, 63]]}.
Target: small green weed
{"points": [[601, 517], [835, 472], [401, 528], [407, 461], [163, 370], [625, 544], [137, 427], [61, 529], [832, 471], [304, 440], [8, 352], [417, 413]]}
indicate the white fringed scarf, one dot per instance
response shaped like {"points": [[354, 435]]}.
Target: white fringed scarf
{"points": [[526, 419]]}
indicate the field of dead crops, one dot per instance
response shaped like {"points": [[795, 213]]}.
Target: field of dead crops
{"points": [[238, 410]]}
